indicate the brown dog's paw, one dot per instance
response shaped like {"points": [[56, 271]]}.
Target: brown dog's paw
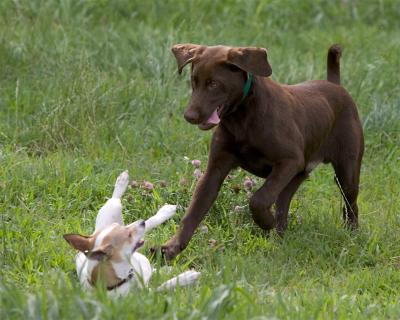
{"points": [[154, 253], [171, 249], [281, 226]]}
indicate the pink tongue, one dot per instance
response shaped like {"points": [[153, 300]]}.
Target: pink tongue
{"points": [[214, 119]]}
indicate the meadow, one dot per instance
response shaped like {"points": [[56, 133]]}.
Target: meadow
{"points": [[90, 88]]}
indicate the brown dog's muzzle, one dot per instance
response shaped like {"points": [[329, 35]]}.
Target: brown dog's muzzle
{"points": [[191, 116], [194, 117]]}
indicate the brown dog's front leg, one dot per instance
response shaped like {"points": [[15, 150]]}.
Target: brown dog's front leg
{"points": [[206, 192], [267, 195]]}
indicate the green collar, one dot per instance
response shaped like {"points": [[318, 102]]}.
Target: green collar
{"points": [[247, 86]]}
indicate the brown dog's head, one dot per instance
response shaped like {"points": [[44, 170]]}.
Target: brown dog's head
{"points": [[218, 77]]}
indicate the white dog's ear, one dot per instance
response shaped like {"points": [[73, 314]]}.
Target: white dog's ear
{"points": [[79, 242], [101, 253]]}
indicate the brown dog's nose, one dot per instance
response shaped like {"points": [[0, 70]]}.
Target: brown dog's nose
{"points": [[191, 116]]}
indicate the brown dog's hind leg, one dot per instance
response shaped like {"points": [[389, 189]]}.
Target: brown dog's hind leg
{"points": [[347, 179], [267, 195], [283, 202], [261, 212]]}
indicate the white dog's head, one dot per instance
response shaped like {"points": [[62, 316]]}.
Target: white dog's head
{"points": [[114, 244]]}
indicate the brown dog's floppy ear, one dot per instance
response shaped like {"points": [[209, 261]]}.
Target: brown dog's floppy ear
{"points": [[79, 242], [101, 253], [253, 60], [185, 53]]}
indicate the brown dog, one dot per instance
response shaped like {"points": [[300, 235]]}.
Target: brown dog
{"points": [[279, 132]]}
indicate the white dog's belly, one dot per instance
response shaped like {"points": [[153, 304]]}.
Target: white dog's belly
{"points": [[142, 268]]}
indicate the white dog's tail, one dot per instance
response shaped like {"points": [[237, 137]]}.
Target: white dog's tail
{"points": [[184, 279], [166, 212]]}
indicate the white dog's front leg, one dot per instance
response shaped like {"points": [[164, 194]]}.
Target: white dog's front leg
{"points": [[166, 212], [111, 211]]}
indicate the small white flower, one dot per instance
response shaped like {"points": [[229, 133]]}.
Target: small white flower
{"points": [[203, 229]]}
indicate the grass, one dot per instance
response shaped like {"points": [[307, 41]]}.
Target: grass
{"points": [[89, 88]]}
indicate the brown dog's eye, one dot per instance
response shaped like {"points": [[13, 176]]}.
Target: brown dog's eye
{"points": [[212, 84]]}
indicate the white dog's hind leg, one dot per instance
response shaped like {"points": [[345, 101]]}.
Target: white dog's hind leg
{"points": [[121, 184], [111, 211], [184, 279], [166, 212]]}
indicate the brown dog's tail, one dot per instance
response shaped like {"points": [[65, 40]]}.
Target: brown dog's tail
{"points": [[333, 63]]}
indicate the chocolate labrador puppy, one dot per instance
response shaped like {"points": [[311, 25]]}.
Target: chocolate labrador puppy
{"points": [[275, 131]]}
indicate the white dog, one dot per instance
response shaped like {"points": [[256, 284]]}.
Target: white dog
{"points": [[109, 255]]}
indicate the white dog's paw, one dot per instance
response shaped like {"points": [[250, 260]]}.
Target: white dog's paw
{"points": [[121, 184], [167, 211]]}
